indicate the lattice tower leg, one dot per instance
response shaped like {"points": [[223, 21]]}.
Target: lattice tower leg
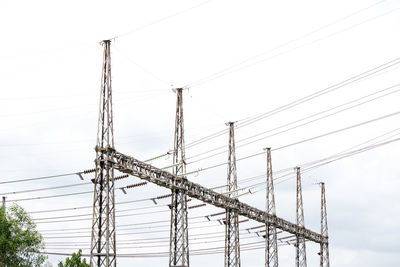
{"points": [[324, 247], [232, 245], [301, 260], [179, 237], [103, 242], [271, 243]]}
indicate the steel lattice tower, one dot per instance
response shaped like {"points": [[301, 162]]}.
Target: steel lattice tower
{"points": [[324, 248], [179, 237], [271, 244], [232, 248], [301, 260], [103, 243]]}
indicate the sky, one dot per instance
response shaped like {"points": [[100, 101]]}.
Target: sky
{"points": [[238, 61]]}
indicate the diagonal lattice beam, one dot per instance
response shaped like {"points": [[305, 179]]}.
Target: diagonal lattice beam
{"points": [[142, 170]]}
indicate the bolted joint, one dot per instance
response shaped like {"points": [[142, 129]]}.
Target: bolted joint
{"points": [[110, 150], [99, 149], [99, 163]]}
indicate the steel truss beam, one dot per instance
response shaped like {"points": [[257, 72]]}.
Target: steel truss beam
{"points": [[142, 170]]}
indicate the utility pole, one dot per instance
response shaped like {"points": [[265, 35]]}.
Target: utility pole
{"points": [[271, 244], [232, 248], [4, 202], [179, 237], [301, 260], [103, 243], [324, 248]]}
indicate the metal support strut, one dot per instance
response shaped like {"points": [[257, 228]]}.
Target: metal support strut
{"points": [[103, 243], [271, 244], [179, 238], [324, 248], [232, 248], [301, 260]]}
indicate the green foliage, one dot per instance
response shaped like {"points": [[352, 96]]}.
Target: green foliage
{"points": [[74, 261], [20, 242]]}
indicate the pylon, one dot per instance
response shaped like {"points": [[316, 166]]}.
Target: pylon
{"points": [[179, 238], [271, 244], [103, 243], [301, 260], [232, 248], [324, 248]]}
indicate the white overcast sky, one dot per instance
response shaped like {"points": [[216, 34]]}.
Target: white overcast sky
{"points": [[238, 59]]}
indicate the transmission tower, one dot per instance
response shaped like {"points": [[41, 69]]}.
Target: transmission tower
{"points": [[179, 238], [324, 248], [271, 245], [301, 260], [103, 243], [232, 248]]}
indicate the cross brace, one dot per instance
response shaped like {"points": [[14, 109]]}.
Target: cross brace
{"points": [[132, 166]]}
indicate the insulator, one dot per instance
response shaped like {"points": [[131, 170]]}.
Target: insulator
{"points": [[136, 185], [216, 214], [197, 206], [256, 227], [121, 177], [89, 171], [164, 196]]}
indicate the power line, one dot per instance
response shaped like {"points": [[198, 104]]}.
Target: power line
{"points": [[286, 43], [197, 252], [319, 163], [152, 74], [324, 91], [43, 189], [302, 119], [304, 140], [52, 196], [42, 177], [162, 19], [297, 102], [339, 130], [232, 69]]}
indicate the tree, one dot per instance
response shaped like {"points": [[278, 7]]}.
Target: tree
{"points": [[74, 261], [20, 242]]}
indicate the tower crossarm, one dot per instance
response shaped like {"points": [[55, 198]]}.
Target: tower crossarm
{"points": [[142, 170]]}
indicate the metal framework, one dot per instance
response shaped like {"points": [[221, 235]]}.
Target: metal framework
{"points": [[271, 243], [179, 239], [232, 248], [324, 248], [301, 260], [103, 236], [129, 165], [103, 243]]}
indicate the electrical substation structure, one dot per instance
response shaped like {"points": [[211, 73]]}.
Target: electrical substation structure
{"points": [[103, 251]]}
